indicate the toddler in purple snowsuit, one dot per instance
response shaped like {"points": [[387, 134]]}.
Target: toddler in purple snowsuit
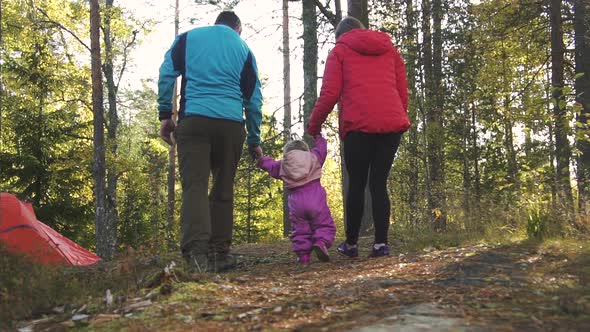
{"points": [[312, 226]]}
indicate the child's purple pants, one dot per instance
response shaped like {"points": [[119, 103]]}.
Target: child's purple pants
{"points": [[310, 217]]}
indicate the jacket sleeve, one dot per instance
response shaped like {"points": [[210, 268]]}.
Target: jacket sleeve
{"points": [[329, 94], [252, 99], [320, 149], [402, 83], [171, 68], [270, 165]]}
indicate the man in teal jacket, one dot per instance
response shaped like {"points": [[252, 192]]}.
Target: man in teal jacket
{"points": [[219, 84]]}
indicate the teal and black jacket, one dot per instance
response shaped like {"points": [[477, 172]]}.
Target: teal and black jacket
{"points": [[219, 78]]}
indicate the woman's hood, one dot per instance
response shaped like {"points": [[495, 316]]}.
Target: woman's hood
{"points": [[366, 42]]}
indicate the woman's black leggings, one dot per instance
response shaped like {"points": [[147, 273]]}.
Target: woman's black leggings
{"points": [[368, 155]]}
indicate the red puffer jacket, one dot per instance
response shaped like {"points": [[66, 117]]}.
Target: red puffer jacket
{"points": [[366, 73]]}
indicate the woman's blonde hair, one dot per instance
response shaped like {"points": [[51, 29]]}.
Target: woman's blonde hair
{"points": [[348, 23], [296, 145]]}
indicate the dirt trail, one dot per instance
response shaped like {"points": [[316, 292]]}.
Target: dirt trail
{"points": [[477, 288]]}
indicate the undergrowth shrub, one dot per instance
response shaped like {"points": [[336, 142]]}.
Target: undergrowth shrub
{"points": [[29, 290], [537, 222]]}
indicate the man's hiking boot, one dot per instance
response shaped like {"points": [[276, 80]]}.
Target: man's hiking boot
{"points": [[197, 263], [380, 252], [347, 251], [321, 252], [221, 262]]}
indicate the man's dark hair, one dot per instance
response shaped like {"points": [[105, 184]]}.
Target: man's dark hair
{"points": [[228, 18]]}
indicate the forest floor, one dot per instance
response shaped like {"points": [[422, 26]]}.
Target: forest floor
{"points": [[521, 286]]}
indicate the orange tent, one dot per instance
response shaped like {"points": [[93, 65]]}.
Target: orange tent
{"points": [[20, 231]]}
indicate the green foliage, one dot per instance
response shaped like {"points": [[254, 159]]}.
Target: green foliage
{"points": [[29, 289], [258, 198], [538, 219], [143, 164], [46, 152], [498, 124], [46, 155]]}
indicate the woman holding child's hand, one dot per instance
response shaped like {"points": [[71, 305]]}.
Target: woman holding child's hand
{"points": [[366, 75]]}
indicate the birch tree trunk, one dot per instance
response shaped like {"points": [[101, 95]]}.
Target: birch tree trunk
{"points": [[287, 106], [582, 86], [561, 129], [412, 146], [310, 60], [112, 215], [475, 158], [552, 171], [433, 128], [435, 124], [513, 176], [466, 162], [103, 243], [172, 154]]}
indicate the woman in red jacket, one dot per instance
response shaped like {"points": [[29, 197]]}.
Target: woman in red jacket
{"points": [[366, 75]]}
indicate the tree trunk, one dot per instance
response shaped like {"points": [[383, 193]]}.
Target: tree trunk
{"points": [[104, 244], [466, 172], [310, 60], [433, 105], [287, 106], [172, 154], [338, 9], [562, 147], [512, 169], [552, 171], [475, 158], [359, 9], [412, 146], [249, 207], [112, 215], [513, 176], [428, 94], [437, 171], [582, 86]]}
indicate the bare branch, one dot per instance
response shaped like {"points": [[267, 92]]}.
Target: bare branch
{"points": [[327, 13], [51, 21], [125, 54]]}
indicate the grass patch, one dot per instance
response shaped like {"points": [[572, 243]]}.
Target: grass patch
{"points": [[29, 290]]}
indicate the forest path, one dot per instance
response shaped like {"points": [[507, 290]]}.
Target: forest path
{"points": [[477, 288]]}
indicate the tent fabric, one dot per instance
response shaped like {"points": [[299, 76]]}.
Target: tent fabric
{"points": [[21, 232]]}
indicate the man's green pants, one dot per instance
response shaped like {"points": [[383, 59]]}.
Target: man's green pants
{"points": [[207, 146]]}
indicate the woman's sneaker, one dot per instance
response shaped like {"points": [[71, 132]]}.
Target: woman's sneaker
{"points": [[321, 252], [347, 251], [383, 250]]}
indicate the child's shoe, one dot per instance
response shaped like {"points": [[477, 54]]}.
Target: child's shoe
{"points": [[379, 250], [347, 251], [321, 251], [303, 259]]}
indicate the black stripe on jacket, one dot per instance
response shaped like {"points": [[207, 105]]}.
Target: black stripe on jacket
{"points": [[248, 78], [179, 63]]}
